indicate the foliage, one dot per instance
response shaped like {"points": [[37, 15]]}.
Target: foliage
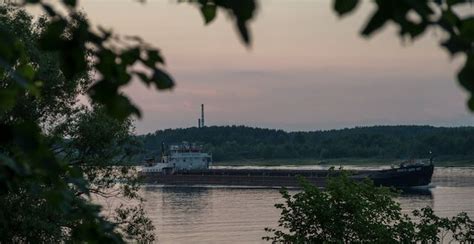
{"points": [[43, 67], [38, 203], [413, 18], [348, 212], [54, 154], [45, 181], [239, 142], [100, 146], [241, 12]]}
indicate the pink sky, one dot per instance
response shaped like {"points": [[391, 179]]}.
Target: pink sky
{"points": [[306, 70]]}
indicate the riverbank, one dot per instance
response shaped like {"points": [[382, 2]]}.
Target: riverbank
{"points": [[444, 162]]}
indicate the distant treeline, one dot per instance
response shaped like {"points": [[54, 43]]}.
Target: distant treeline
{"points": [[240, 142]]}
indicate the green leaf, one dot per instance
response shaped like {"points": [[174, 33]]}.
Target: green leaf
{"points": [[450, 17], [48, 9], [208, 12], [466, 79], [375, 23], [101, 90], [241, 12], [11, 164], [162, 80], [106, 64], [27, 72], [143, 77], [449, 21], [455, 2], [7, 50], [467, 29], [7, 98], [73, 60], [466, 76], [244, 32], [343, 7], [455, 45], [154, 57], [470, 103], [130, 56], [117, 105], [51, 39], [412, 29], [121, 108], [71, 3]]}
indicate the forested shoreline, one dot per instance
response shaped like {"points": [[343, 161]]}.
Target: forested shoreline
{"points": [[228, 143]]}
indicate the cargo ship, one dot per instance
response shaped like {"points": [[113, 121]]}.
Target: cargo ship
{"points": [[187, 164]]}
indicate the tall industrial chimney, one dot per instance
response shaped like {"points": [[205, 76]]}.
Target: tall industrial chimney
{"points": [[199, 123], [202, 115]]}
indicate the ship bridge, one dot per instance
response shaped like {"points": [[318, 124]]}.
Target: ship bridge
{"points": [[187, 157]]}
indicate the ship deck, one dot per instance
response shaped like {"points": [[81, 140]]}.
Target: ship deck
{"points": [[271, 172]]}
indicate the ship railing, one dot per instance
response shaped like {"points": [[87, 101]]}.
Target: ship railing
{"points": [[185, 148]]}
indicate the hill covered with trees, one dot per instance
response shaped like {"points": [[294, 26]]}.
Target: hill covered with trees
{"points": [[391, 142]]}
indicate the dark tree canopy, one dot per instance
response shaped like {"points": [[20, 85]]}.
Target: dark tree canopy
{"points": [[382, 142], [359, 212]]}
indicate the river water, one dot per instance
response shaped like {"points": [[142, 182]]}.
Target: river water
{"points": [[239, 215]]}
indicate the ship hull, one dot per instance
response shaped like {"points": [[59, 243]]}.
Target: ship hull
{"points": [[410, 176]]}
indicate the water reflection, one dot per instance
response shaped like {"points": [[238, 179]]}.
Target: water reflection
{"points": [[189, 200], [239, 215], [454, 177], [415, 199], [413, 192]]}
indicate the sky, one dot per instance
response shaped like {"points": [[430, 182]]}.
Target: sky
{"points": [[306, 69]]}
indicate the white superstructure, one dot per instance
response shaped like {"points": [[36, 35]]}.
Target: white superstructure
{"points": [[181, 157]]}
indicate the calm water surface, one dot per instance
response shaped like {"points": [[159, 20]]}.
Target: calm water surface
{"points": [[239, 215]]}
